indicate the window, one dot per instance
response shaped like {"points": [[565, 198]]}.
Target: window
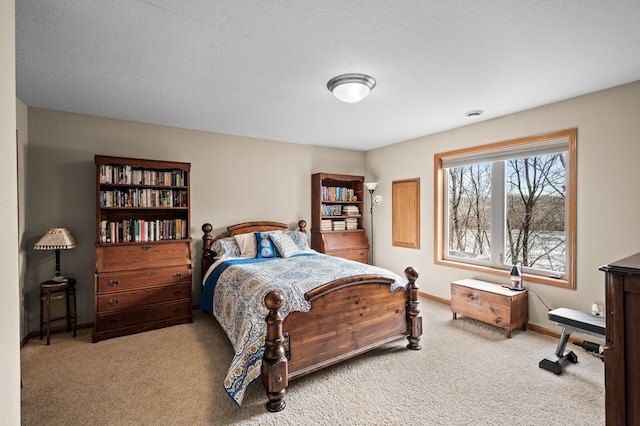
{"points": [[509, 202]]}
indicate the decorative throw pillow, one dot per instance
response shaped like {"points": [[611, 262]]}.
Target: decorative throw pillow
{"points": [[247, 244], [226, 247], [300, 238], [264, 246], [285, 245]]}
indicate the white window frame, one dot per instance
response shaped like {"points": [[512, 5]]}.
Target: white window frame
{"points": [[560, 141]]}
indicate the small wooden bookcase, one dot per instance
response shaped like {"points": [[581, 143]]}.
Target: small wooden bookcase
{"points": [[490, 303], [337, 221]]}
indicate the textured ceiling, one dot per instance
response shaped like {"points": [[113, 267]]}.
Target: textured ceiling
{"points": [[259, 68]]}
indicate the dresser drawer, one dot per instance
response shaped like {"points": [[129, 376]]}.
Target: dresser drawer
{"points": [[122, 281], [143, 296], [128, 257], [129, 317], [359, 255], [342, 240]]}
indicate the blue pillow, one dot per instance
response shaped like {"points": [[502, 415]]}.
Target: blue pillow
{"points": [[264, 246]]}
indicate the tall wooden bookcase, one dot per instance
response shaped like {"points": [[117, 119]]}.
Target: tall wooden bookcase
{"points": [[143, 273], [337, 208]]}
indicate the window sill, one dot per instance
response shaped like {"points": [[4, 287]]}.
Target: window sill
{"points": [[555, 282]]}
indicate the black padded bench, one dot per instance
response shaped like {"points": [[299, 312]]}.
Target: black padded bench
{"points": [[571, 321]]}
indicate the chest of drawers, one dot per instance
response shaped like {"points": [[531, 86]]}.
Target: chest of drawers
{"points": [[141, 286]]}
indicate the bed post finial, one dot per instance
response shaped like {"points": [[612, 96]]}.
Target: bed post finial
{"points": [[206, 241], [414, 320], [302, 225], [275, 367]]}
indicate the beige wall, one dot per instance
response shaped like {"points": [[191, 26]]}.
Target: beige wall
{"points": [[10, 301], [233, 179], [608, 201], [23, 141]]}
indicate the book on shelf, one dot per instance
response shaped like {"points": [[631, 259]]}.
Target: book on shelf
{"points": [[339, 225], [352, 223], [120, 174], [332, 210], [138, 230], [334, 193], [143, 197], [351, 210]]}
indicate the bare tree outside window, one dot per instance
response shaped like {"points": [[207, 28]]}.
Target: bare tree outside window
{"points": [[535, 211], [535, 228], [470, 211]]}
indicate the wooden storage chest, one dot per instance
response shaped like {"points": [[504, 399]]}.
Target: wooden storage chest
{"points": [[490, 303]]}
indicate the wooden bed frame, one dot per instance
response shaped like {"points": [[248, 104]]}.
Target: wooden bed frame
{"points": [[348, 317]]}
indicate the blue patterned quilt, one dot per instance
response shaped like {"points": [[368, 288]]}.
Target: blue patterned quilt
{"points": [[234, 292]]}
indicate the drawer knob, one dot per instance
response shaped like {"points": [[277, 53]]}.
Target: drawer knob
{"points": [[113, 321], [177, 275], [147, 273], [113, 301], [177, 292], [113, 283], [146, 247]]}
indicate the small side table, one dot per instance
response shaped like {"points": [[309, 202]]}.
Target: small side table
{"points": [[54, 290]]}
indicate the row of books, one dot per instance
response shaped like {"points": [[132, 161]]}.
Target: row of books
{"points": [[137, 230], [339, 210], [144, 197], [352, 223], [351, 210], [339, 225], [126, 175], [336, 193], [331, 210]]}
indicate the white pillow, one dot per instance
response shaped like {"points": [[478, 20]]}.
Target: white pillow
{"points": [[285, 245], [247, 244]]}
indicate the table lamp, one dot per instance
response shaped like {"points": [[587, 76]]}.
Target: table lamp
{"points": [[56, 239], [516, 277]]}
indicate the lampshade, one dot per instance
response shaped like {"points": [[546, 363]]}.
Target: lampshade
{"points": [[351, 87], [371, 186], [56, 239], [515, 271]]}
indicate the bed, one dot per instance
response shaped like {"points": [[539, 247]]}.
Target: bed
{"points": [[300, 310]]}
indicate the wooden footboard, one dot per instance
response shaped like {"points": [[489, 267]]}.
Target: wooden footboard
{"points": [[348, 317]]}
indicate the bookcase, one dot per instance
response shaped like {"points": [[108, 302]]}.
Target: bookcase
{"points": [[143, 273], [337, 207]]}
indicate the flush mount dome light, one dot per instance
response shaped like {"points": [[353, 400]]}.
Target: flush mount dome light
{"points": [[351, 87]]}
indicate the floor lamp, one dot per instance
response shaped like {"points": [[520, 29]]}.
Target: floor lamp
{"points": [[371, 186]]}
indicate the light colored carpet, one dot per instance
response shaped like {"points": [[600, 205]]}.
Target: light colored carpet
{"points": [[467, 373]]}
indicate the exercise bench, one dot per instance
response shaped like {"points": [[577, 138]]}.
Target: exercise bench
{"points": [[571, 321]]}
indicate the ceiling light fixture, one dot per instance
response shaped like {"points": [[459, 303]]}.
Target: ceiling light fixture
{"points": [[351, 87]]}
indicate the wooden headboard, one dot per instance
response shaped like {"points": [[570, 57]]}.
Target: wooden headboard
{"points": [[240, 228]]}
